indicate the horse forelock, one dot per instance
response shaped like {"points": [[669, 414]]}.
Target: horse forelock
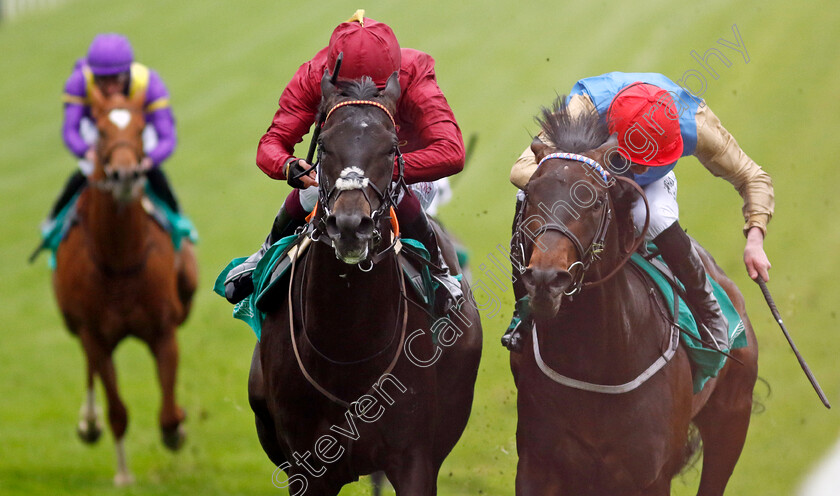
{"points": [[572, 133], [359, 89]]}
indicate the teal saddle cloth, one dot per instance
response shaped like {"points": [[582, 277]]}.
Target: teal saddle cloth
{"points": [[178, 225], [266, 278], [707, 362]]}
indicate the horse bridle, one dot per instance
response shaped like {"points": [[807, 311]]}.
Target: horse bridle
{"points": [[354, 178], [105, 154], [588, 255]]}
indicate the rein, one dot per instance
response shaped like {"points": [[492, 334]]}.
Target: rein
{"points": [[588, 255], [302, 367], [636, 244], [107, 185], [593, 252], [353, 178]]}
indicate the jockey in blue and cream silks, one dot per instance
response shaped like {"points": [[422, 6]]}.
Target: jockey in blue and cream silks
{"points": [[110, 66], [657, 122]]}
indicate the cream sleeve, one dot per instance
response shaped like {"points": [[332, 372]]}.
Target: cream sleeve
{"points": [[526, 164], [718, 151]]}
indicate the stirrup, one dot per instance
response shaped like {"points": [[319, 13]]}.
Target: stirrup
{"points": [[448, 292], [240, 286], [512, 338], [714, 340], [240, 282]]}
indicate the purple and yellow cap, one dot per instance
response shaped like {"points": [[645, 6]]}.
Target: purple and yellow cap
{"points": [[109, 54]]}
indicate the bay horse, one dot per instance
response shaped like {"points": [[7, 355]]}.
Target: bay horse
{"points": [[588, 422], [117, 274], [347, 378]]}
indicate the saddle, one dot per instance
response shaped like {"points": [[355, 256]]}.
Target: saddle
{"points": [[706, 362], [178, 225], [272, 273]]}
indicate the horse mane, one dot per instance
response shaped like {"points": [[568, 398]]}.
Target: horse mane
{"points": [[572, 133]]}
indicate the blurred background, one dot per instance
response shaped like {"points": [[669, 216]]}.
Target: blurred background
{"points": [[498, 62]]}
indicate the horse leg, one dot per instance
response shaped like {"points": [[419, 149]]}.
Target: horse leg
{"points": [[266, 431], [90, 416], [535, 479], [165, 350], [414, 475], [187, 268], [101, 362], [723, 424], [377, 482]]}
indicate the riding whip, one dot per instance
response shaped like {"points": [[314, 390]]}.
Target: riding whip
{"points": [[321, 117], [802, 363]]}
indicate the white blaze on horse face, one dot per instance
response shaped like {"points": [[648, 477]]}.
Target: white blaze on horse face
{"points": [[120, 117], [351, 178]]}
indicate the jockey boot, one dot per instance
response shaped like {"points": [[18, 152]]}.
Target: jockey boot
{"points": [[449, 291], [682, 258], [239, 282], [521, 320], [160, 186], [75, 184]]}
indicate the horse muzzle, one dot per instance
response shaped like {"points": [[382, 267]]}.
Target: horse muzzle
{"points": [[546, 288], [352, 236], [125, 184]]}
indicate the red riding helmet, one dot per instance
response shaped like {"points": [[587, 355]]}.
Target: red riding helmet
{"points": [[648, 126], [370, 49]]}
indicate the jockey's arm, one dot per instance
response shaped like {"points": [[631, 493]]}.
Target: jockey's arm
{"points": [[438, 146], [73, 113], [718, 151], [163, 123], [292, 119]]}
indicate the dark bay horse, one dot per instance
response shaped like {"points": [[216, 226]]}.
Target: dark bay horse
{"points": [[601, 437], [117, 275], [347, 379]]}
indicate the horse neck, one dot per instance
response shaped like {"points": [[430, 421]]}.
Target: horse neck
{"points": [[118, 231], [347, 309], [608, 330]]}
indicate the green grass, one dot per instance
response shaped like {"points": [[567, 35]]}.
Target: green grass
{"points": [[226, 64]]}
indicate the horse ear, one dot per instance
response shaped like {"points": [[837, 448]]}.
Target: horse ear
{"points": [[392, 87], [327, 86], [97, 101], [540, 148], [609, 156]]}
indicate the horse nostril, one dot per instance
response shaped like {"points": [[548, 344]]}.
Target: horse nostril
{"points": [[561, 281], [552, 280], [332, 227], [528, 277], [365, 229]]}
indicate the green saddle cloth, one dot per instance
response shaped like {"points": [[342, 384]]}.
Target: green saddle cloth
{"points": [[264, 277], [707, 362], [178, 225]]}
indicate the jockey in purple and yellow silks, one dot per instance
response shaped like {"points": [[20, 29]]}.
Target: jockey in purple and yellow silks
{"points": [[657, 122], [110, 66]]}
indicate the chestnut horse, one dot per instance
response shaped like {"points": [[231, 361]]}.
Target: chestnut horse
{"points": [[347, 378], [117, 274], [589, 423]]}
